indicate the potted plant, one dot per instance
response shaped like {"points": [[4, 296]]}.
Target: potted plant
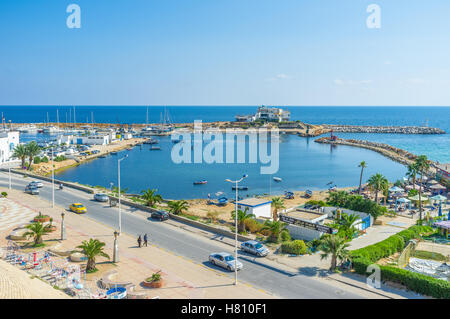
{"points": [[155, 281], [51, 227], [41, 218]]}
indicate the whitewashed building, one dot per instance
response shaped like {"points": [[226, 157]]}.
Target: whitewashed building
{"points": [[99, 139], [256, 206], [8, 141], [264, 113]]}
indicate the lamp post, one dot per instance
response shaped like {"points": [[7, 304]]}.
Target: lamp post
{"points": [[53, 182], [236, 225], [63, 227], [116, 248], [9, 170], [120, 210]]}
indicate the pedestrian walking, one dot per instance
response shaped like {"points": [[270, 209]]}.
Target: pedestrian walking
{"points": [[145, 240], [139, 240]]}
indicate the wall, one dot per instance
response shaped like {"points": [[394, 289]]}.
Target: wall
{"points": [[302, 233]]}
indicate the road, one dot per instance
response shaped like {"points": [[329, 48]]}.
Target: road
{"points": [[193, 246]]}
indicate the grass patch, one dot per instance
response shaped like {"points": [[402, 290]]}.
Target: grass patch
{"points": [[91, 271], [423, 254]]}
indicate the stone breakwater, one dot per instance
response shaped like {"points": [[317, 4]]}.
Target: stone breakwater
{"points": [[396, 154], [384, 129]]}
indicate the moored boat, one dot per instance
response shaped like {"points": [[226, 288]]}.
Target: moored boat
{"points": [[200, 182], [277, 179], [308, 193], [241, 188]]}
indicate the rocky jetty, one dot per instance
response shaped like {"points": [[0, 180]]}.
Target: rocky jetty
{"points": [[384, 129], [394, 153]]}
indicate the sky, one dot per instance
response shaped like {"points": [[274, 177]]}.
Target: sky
{"points": [[233, 52]]}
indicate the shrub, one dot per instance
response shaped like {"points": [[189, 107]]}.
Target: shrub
{"points": [[37, 160], [252, 225], [44, 159], [4, 194], [296, 247], [285, 235], [321, 203]]}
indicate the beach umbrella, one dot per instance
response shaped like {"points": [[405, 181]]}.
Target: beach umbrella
{"points": [[439, 198], [395, 189], [416, 198]]}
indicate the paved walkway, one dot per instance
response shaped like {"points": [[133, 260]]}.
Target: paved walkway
{"points": [[184, 278], [13, 214]]}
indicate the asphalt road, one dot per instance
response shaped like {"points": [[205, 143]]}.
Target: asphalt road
{"points": [[195, 247]]}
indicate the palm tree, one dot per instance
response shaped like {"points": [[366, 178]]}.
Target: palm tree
{"points": [[378, 182], [37, 230], [412, 173], [178, 206], [91, 249], [362, 165], [334, 246], [32, 150], [347, 224], [242, 216], [151, 197], [277, 203], [275, 228], [20, 152], [422, 166]]}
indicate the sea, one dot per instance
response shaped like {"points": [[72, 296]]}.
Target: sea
{"points": [[303, 164]]}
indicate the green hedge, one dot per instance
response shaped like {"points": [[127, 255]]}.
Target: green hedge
{"points": [[296, 247], [426, 285], [419, 283]]}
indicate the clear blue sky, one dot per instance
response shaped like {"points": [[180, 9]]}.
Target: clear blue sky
{"points": [[228, 52]]}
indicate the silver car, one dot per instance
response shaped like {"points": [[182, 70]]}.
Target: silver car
{"points": [[224, 260], [100, 197], [255, 247], [31, 190], [36, 184]]}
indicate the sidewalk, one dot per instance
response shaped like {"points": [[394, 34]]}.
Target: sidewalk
{"points": [[184, 278]]}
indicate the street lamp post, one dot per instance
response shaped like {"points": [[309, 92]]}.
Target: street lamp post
{"points": [[53, 182], [9, 170], [236, 225], [63, 227], [120, 208]]}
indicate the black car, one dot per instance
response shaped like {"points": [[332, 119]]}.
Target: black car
{"points": [[160, 215]]}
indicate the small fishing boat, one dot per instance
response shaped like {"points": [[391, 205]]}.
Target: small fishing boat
{"points": [[240, 188], [129, 149], [114, 153], [155, 148], [308, 193], [277, 179], [200, 182], [222, 201], [102, 156], [288, 195]]}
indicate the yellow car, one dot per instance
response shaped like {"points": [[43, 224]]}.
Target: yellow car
{"points": [[78, 208]]}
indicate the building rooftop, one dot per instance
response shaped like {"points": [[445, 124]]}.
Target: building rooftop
{"points": [[304, 215], [253, 202]]}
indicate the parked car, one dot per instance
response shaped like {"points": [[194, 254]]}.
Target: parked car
{"points": [[36, 184], [78, 208], [100, 197], [255, 247], [225, 260], [161, 215], [31, 190]]}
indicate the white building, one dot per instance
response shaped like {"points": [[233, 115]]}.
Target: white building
{"points": [[265, 113], [256, 206], [99, 139], [8, 141]]}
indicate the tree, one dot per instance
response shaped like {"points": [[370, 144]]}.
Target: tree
{"points": [[362, 165], [378, 182], [422, 166], [412, 173], [242, 216], [337, 198], [347, 225], [92, 249], [151, 197], [275, 228], [334, 246], [178, 206], [277, 203], [37, 230], [32, 149], [20, 152]]}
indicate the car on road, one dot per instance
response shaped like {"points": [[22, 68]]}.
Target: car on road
{"points": [[31, 190], [78, 208], [100, 197], [225, 260], [36, 184], [255, 247], [160, 215]]}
